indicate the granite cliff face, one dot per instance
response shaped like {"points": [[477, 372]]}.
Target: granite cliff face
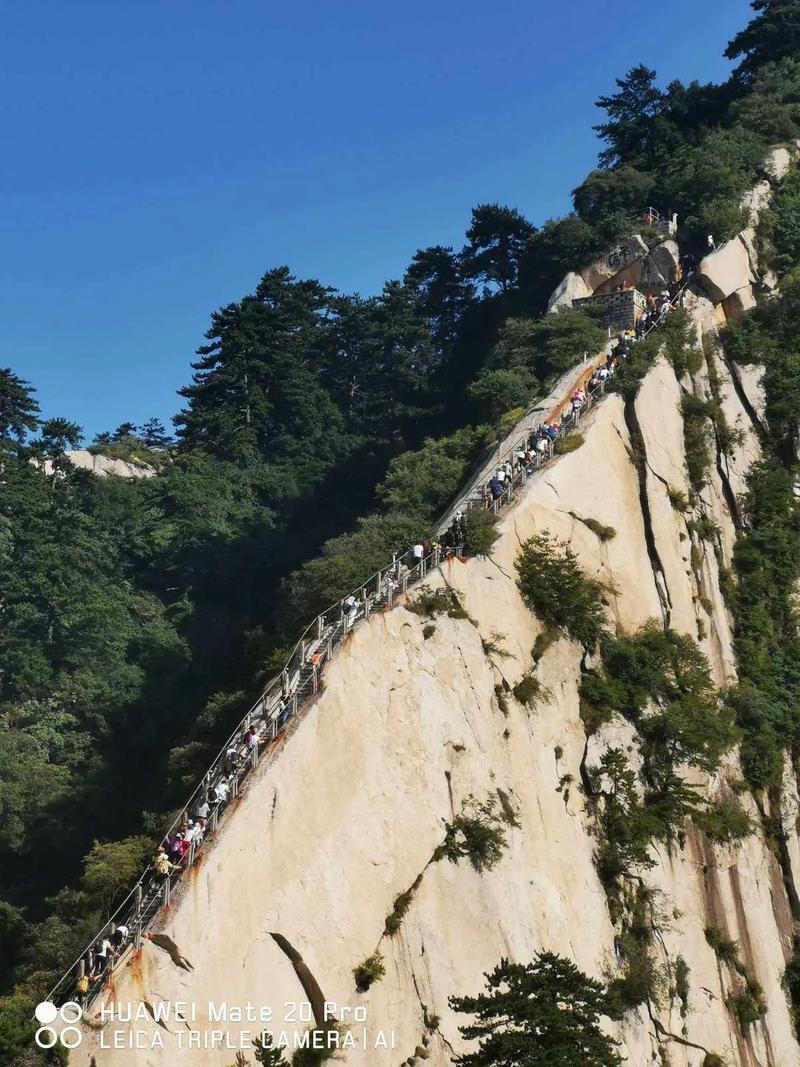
{"points": [[348, 811]]}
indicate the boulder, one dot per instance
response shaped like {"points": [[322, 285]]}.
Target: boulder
{"points": [[738, 303], [777, 163], [660, 267], [572, 287], [623, 255], [769, 281], [727, 270]]}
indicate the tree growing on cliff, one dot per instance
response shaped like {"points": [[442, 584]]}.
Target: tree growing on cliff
{"points": [[773, 34], [630, 112], [540, 1014], [554, 586]]}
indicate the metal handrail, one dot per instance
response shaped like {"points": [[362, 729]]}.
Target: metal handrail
{"points": [[280, 699]]}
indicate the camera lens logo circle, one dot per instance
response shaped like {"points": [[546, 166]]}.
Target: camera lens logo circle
{"points": [[46, 1013]]}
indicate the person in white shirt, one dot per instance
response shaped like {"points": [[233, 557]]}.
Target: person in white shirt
{"points": [[120, 936], [418, 551]]}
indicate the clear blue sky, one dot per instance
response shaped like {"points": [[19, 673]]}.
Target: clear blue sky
{"points": [[159, 157]]}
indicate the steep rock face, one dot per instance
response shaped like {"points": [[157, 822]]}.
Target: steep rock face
{"points": [[106, 466], [728, 271], [572, 287], [347, 813]]}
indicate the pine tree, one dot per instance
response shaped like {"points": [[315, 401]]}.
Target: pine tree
{"points": [[498, 238], [18, 409], [541, 1014], [154, 434], [436, 275], [125, 429], [772, 35], [256, 387], [631, 112]]}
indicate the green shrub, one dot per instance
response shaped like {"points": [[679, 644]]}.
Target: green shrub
{"points": [[711, 1059], [641, 980], [507, 809], [500, 391], [401, 905], [433, 602], [697, 438], [688, 724], [370, 970], [677, 498], [506, 423], [603, 532], [476, 834], [682, 984], [502, 698], [705, 528], [748, 1005], [422, 482], [529, 690], [791, 983], [556, 589], [724, 948], [494, 647], [724, 821], [546, 346], [480, 531], [428, 630], [785, 219], [309, 1056], [626, 827], [567, 443]]}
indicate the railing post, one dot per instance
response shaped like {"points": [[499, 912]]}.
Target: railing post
{"points": [[137, 937], [320, 624], [285, 682]]}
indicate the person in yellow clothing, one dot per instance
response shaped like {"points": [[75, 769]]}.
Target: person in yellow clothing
{"points": [[82, 989], [162, 863]]}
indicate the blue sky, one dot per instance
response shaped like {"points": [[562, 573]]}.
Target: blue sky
{"points": [[159, 157]]}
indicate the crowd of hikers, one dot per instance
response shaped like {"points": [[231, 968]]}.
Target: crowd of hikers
{"points": [[178, 849]]}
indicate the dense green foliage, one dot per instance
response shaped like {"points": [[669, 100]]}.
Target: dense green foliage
{"points": [[476, 834], [541, 1014], [320, 433], [555, 587], [767, 553], [370, 970], [659, 681]]}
